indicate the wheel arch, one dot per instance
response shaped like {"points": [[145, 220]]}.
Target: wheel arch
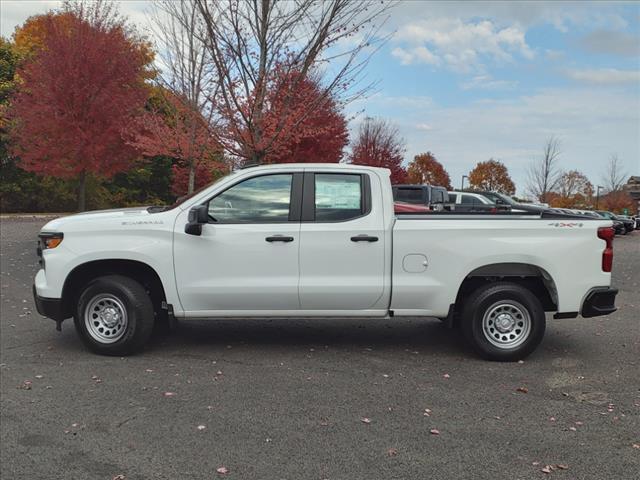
{"points": [[530, 276], [134, 269]]}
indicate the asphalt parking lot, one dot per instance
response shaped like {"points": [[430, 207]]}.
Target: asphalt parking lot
{"points": [[305, 399]]}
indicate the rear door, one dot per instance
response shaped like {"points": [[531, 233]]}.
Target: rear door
{"points": [[342, 243]]}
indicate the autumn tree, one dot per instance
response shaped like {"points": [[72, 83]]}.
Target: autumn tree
{"points": [[573, 190], [77, 94], [187, 84], [170, 127], [320, 137], [543, 173], [492, 175], [252, 44], [618, 201], [378, 144], [426, 169]]}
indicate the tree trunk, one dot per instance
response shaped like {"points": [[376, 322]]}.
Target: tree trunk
{"points": [[82, 191], [192, 177]]}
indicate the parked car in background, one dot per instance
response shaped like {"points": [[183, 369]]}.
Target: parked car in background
{"points": [[618, 225], [473, 202], [501, 199], [629, 223], [433, 197]]}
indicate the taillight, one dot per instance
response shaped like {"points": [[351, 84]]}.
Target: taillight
{"points": [[607, 234]]}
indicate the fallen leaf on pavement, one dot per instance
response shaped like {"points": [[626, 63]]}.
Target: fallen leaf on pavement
{"points": [[365, 420], [547, 469], [169, 394], [201, 427], [636, 445], [562, 466], [522, 390], [26, 385], [392, 452], [119, 477], [446, 375], [434, 431], [222, 470]]}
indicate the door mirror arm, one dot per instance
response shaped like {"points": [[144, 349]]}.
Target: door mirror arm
{"points": [[198, 216]]}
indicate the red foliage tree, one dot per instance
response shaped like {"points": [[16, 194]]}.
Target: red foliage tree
{"points": [[617, 202], [319, 136], [181, 178], [76, 95], [171, 127], [378, 144], [426, 169]]}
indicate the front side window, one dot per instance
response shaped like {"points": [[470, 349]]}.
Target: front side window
{"points": [[263, 199], [338, 197]]}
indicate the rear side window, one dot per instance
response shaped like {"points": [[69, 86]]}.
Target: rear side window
{"points": [[410, 195], [452, 198], [468, 200], [338, 197], [263, 199]]}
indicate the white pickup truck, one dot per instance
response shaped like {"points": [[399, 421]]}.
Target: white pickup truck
{"points": [[320, 240]]}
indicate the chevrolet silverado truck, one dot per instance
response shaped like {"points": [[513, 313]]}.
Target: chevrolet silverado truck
{"points": [[320, 240]]}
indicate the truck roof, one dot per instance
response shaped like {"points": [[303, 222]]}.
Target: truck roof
{"points": [[316, 166]]}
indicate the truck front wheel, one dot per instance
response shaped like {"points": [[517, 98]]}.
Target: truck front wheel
{"points": [[114, 315], [503, 321]]}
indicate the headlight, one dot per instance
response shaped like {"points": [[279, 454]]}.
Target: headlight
{"points": [[50, 240]]}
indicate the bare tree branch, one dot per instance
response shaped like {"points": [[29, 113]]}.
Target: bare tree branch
{"points": [[613, 178], [543, 174], [254, 43]]}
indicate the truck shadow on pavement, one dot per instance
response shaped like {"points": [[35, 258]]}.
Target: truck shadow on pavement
{"points": [[426, 335]]}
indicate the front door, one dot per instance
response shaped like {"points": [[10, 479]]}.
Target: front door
{"points": [[246, 260]]}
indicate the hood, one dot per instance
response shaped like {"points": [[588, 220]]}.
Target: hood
{"points": [[79, 218]]}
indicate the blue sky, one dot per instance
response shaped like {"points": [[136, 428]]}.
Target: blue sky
{"points": [[471, 81]]}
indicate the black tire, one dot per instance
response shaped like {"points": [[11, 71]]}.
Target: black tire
{"points": [[506, 302], [109, 295]]}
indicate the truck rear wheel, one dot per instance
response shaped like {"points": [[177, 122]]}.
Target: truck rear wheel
{"points": [[503, 321], [114, 315]]}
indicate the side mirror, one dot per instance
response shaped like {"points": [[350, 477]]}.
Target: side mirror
{"points": [[198, 216]]}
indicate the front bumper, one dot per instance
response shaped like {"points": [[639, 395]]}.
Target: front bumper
{"points": [[49, 307], [599, 301]]}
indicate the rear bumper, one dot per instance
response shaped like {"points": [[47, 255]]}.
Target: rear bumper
{"points": [[599, 301], [49, 307]]}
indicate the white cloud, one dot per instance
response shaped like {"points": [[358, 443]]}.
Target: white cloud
{"points": [[462, 47], [604, 76], [487, 82], [563, 15], [591, 123], [610, 42]]}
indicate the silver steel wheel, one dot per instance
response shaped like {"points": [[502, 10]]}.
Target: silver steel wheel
{"points": [[506, 324], [105, 318]]}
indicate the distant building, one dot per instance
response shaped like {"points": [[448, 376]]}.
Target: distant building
{"points": [[632, 187]]}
